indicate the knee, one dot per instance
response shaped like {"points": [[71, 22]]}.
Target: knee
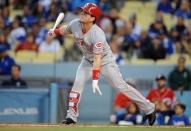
{"points": [[120, 84], [125, 86]]}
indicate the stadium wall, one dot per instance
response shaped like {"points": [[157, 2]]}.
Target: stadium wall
{"points": [[93, 108]]}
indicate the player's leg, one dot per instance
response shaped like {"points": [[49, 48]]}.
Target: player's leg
{"points": [[112, 74], [83, 74]]}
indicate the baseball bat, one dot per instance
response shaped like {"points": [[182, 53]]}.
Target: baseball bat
{"points": [[58, 20]]}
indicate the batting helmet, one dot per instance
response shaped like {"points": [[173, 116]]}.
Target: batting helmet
{"points": [[92, 9]]}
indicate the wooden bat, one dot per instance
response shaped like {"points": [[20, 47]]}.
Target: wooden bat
{"points": [[58, 20]]}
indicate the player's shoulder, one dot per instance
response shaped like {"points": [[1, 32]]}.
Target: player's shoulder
{"points": [[75, 21], [97, 30]]}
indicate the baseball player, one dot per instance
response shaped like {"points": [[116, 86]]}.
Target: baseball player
{"points": [[97, 59]]}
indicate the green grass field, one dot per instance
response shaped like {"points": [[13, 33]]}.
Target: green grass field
{"points": [[32, 127]]}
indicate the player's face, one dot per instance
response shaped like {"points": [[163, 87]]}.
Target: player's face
{"points": [[161, 83], [86, 18], [181, 63], [15, 72]]}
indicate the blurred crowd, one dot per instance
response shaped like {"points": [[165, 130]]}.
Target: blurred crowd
{"points": [[127, 39], [169, 110]]}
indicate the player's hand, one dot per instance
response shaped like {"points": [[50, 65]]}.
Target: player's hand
{"points": [[96, 87], [51, 33]]}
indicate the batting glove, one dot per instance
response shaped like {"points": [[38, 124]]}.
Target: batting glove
{"points": [[51, 32], [96, 87]]}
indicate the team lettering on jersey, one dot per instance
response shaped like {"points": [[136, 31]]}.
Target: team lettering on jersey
{"points": [[78, 40], [99, 45], [81, 42]]}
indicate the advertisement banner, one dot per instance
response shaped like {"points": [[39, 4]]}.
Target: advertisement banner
{"points": [[24, 105]]}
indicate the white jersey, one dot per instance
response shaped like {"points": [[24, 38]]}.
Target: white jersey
{"points": [[90, 43]]}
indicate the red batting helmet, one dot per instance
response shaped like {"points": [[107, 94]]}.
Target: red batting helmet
{"points": [[92, 9]]}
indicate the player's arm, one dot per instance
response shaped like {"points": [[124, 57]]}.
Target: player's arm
{"points": [[97, 62], [96, 73], [98, 39], [98, 50], [61, 31]]}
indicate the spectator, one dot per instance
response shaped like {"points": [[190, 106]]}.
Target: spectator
{"points": [[46, 4], [155, 50], [176, 4], [28, 19], [19, 4], [177, 32], [38, 11], [4, 3], [104, 5], [50, 45], [3, 42], [164, 115], [120, 29], [156, 28], [120, 32], [107, 27], [121, 104], [186, 42], [184, 10], [69, 15], [2, 25], [52, 13], [114, 16], [41, 31], [114, 44], [145, 42], [6, 62], [135, 26], [164, 99], [5, 15], [130, 45], [131, 117], [28, 44], [121, 101], [35, 32], [73, 4], [167, 43], [179, 118], [17, 34], [165, 6], [15, 81], [162, 94], [180, 77], [180, 26]]}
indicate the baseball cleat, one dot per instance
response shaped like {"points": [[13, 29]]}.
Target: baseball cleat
{"points": [[151, 118], [68, 121]]}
